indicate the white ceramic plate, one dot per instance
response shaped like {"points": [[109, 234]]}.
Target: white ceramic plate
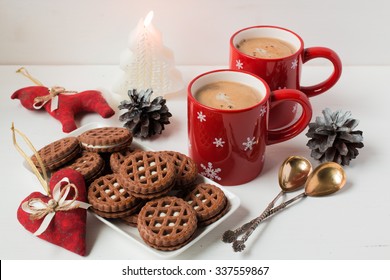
{"points": [[132, 232]]}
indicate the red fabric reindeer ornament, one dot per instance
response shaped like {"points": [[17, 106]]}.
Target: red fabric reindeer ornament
{"points": [[61, 104]]}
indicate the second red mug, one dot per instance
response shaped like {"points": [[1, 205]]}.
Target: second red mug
{"points": [[282, 72]]}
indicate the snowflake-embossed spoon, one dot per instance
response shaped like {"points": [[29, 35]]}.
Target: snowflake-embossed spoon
{"points": [[327, 178], [292, 176]]}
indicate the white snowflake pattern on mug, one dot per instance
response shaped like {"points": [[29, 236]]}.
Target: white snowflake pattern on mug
{"points": [[249, 143], [210, 172], [201, 117], [218, 142], [263, 110], [239, 64], [294, 64]]}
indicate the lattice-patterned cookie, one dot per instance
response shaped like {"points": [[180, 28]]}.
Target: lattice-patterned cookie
{"points": [[186, 169], [167, 223], [147, 174], [89, 164], [106, 139], [58, 153], [209, 202], [109, 199], [117, 158]]}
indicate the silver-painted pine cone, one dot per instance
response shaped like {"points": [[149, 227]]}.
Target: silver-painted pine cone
{"points": [[333, 137], [144, 118]]}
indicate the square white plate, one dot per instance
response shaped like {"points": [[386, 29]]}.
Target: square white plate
{"points": [[132, 232]]}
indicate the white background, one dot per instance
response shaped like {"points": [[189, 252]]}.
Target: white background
{"points": [[96, 31], [352, 224]]}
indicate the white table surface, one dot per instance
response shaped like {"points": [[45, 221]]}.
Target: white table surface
{"points": [[351, 224]]}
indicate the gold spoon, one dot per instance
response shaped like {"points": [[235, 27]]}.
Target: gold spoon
{"points": [[292, 175], [327, 178]]}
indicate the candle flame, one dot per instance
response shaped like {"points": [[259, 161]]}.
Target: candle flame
{"points": [[148, 18]]}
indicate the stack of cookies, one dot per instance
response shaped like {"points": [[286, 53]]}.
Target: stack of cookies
{"points": [[84, 153], [155, 191]]}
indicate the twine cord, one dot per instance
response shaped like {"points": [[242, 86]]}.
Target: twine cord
{"points": [[25, 73], [38, 209], [43, 180], [40, 101], [37, 212]]}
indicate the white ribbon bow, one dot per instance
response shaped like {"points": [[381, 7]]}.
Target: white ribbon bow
{"points": [[40, 101], [40, 209]]}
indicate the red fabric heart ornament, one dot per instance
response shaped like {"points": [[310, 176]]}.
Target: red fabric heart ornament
{"points": [[63, 212]]}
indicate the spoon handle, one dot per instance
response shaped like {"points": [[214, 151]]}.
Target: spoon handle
{"points": [[285, 204], [230, 236], [239, 245]]}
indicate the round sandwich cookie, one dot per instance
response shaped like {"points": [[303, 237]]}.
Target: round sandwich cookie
{"points": [[89, 164], [147, 174], [110, 200], [209, 202], [131, 220], [167, 223], [117, 158], [58, 153], [105, 139], [186, 169]]}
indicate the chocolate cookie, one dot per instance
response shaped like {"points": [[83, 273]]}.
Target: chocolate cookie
{"points": [[209, 202], [117, 158], [131, 220], [186, 169], [58, 153], [167, 223], [89, 164], [147, 174], [110, 200], [106, 139]]}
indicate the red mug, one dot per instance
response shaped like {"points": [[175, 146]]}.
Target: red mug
{"points": [[229, 145], [283, 72]]}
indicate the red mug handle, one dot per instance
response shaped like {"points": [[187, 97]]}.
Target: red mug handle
{"points": [[285, 133], [321, 52]]}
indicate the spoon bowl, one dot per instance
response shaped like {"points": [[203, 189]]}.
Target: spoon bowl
{"points": [[326, 179], [293, 173]]}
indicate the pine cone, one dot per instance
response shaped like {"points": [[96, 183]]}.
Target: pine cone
{"points": [[333, 138], [144, 118]]}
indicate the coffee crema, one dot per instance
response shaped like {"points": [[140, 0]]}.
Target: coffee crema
{"points": [[228, 95], [265, 47]]}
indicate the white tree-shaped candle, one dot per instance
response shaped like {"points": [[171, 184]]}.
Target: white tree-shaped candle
{"points": [[147, 63]]}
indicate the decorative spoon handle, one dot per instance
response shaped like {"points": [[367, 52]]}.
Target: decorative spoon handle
{"points": [[239, 245], [230, 236], [285, 204]]}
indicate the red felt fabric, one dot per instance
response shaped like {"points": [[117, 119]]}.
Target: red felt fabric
{"points": [[68, 105], [68, 228]]}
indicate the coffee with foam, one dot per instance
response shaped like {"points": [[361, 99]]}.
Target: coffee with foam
{"points": [[228, 95], [265, 47]]}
